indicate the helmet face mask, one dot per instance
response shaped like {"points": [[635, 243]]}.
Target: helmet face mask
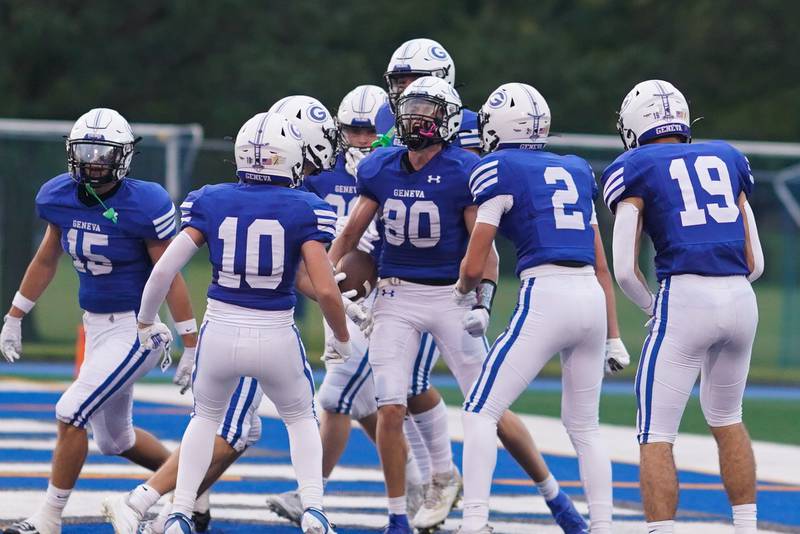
{"points": [[317, 127], [428, 113], [414, 59], [100, 148], [396, 83], [355, 118], [357, 137]]}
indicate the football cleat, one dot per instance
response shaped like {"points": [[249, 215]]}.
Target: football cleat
{"points": [[398, 524], [316, 522], [441, 497], [123, 518], [566, 516], [32, 526], [177, 523], [415, 495], [287, 505], [485, 529], [201, 520]]}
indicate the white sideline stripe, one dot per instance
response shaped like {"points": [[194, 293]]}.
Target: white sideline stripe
{"points": [[49, 444], [27, 426], [20, 504], [693, 452]]}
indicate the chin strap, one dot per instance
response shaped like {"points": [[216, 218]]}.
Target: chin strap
{"points": [[109, 213]]}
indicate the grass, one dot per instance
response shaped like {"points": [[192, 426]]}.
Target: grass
{"points": [[57, 316], [767, 420]]}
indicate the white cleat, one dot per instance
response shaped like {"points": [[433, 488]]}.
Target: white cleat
{"points": [[316, 522], [156, 526], [34, 525], [415, 495], [287, 505], [441, 497], [123, 518]]}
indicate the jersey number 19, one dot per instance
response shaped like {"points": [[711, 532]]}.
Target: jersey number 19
{"points": [[693, 215]]}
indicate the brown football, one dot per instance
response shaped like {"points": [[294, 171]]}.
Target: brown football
{"points": [[362, 273]]}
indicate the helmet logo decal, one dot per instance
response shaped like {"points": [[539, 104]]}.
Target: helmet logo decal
{"points": [[317, 113], [437, 52], [294, 131], [664, 100], [409, 51], [497, 99]]}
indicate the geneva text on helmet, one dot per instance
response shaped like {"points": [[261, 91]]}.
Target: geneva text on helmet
{"points": [[269, 149], [653, 109]]}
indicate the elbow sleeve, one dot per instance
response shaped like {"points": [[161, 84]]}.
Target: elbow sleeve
{"points": [[755, 244], [624, 250]]}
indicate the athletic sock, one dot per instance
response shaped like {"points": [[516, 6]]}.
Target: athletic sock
{"points": [[744, 518], [397, 505], [197, 447], [480, 458], [54, 503], [661, 527], [202, 504], [432, 426], [549, 488], [142, 498], [418, 449], [413, 476], [305, 448]]}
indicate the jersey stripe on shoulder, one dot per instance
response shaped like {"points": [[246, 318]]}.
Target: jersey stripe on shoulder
{"points": [[165, 224], [482, 177], [615, 186], [326, 221], [186, 212]]}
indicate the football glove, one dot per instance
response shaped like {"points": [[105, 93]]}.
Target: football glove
{"points": [[183, 374], [352, 157], [464, 299], [11, 338], [155, 336], [368, 238], [336, 351], [617, 357], [476, 321]]}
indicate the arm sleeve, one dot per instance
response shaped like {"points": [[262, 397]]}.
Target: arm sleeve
{"points": [[161, 221], [178, 254], [755, 244], [624, 250], [192, 213], [491, 211], [320, 225]]}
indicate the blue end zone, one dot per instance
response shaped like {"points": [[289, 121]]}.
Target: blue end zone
{"points": [[775, 507]]}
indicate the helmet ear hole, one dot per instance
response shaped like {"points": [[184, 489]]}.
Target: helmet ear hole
{"points": [[512, 103]]}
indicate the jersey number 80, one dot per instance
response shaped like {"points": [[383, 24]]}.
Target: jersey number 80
{"points": [[394, 217]]}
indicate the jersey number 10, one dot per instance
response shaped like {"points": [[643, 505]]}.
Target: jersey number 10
{"points": [[694, 215], [251, 249]]}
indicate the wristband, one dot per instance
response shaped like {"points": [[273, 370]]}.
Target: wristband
{"points": [[189, 326], [486, 291], [22, 302]]}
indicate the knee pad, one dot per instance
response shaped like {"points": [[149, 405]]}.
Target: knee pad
{"points": [[717, 418], [65, 412], [254, 433], [328, 399], [113, 444]]}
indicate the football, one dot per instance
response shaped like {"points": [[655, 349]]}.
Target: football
{"points": [[362, 273]]}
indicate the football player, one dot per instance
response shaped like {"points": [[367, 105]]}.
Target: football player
{"points": [[249, 327], [691, 199], [412, 60], [241, 426], [544, 204], [114, 228], [347, 392], [422, 194]]}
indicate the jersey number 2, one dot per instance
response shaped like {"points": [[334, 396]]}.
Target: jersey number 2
{"points": [[693, 215], [562, 197], [252, 253]]}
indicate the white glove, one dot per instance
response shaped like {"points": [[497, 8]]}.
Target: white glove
{"points": [[476, 322], [183, 374], [11, 338], [352, 157], [366, 242], [336, 351], [617, 357], [464, 299], [354, 310], [155, 336]]}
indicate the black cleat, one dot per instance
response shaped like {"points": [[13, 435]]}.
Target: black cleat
{"points": [[201, 520]]}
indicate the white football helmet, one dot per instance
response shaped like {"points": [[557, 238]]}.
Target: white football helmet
{"points": [[100, 147], [428, 112], [316, 125], [269, 149], [653, 109], [515, 114], [422, 57], [358, 111]]}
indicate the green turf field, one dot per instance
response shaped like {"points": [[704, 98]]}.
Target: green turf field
{"points": [[767, 420], [57, 316]]}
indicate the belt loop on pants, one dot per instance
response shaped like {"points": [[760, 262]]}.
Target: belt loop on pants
{"points": [[391, 281]]}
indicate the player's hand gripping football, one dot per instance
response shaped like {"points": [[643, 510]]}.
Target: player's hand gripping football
{"points": [[617, 357], [11, 338], [183, 373], [355, 311], [155, 336]]}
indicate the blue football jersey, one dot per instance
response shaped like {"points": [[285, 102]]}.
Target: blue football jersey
{"points": [[337, 187], [254, 234], [467, 136], [550, 220], [422, 212], [111, 259], [690, 194]]}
